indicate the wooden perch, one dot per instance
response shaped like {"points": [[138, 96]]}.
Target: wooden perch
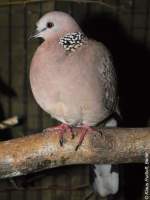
{"points": [[41, 151]]}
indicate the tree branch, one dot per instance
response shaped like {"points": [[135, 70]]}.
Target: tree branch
{"points": [[42, 151]]}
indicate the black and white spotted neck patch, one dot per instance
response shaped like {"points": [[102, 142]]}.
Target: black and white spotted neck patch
{"points": [[71, 41]]}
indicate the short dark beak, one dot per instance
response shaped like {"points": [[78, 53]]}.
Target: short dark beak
{"points": [[36, 33], [33, 35]]}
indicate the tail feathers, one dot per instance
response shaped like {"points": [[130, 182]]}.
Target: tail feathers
{"points": [[106, 181]]}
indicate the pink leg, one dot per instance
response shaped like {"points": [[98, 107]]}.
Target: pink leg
{"points": [[62, 128], [84, 130]]}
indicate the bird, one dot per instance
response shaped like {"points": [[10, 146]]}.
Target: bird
{"points": [[72, 78]]}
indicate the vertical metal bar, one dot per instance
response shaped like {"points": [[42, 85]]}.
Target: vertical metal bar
{"points": [[118, 11], [10, 57], [118, 4], [9, 67], [146, 21], [132, 17], [102, 8], [40, 113], [25, 81], [25, 92]]}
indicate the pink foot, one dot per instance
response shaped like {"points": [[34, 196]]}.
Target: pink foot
{"points": [[62, 128], [84, 130]]}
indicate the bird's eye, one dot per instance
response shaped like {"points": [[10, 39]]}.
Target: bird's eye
{"points": [[50, 24]]}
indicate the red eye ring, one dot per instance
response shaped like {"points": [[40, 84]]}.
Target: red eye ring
{"points": [[50, 24]]}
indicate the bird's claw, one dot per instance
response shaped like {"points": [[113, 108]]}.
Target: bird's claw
{"points": [[77, 147], [62, 128], [84, 130], [61, 141]]}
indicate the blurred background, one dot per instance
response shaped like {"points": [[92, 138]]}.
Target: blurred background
{"points": [[124, 27]]}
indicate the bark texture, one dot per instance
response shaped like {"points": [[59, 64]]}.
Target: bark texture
{"points": [[42, 150]]}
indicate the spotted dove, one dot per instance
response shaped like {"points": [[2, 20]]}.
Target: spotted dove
{"points": [[73, 79]]}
